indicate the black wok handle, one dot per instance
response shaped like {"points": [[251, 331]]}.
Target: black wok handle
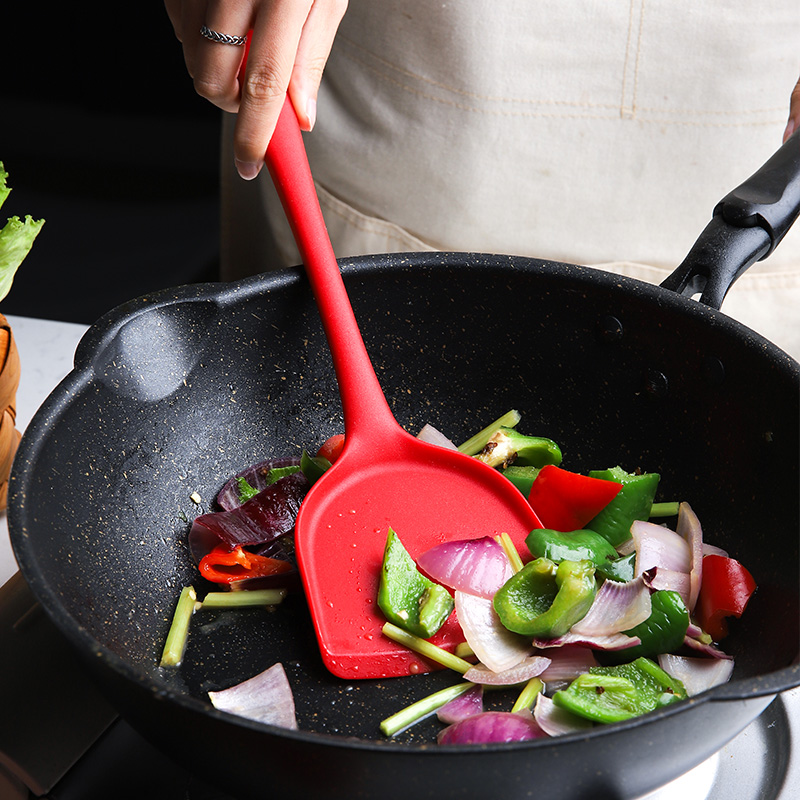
{"points": [[747, 225]]}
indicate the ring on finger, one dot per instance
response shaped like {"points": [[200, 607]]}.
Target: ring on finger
{"points": [[222, 38]]}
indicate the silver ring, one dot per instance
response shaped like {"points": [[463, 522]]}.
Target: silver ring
{"points": [[222, 38]]}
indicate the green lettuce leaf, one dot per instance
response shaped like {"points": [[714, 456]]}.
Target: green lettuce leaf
{"points": [[16, 239]]}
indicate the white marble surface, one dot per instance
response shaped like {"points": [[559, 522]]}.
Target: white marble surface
{"points": [[46, 351]]}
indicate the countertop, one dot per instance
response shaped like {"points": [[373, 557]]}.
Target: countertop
{"points": [[46, 351]]}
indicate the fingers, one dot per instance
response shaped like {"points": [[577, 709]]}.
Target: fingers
{"points": [[290, 44], [794, 113], [312, 55], [277, 29], [214, 66]]}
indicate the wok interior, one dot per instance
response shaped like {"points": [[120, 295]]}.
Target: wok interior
{"points": [[183, 390]]}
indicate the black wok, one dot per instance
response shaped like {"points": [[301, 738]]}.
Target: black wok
{"points": [[174, 392]]}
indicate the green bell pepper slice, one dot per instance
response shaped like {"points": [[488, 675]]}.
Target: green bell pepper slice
{"points": [[407, 598], [621, 569], [521, 477], [544, 599], [662, 632], [614, 694], [582, 545], [508, 446], [633, 502]]}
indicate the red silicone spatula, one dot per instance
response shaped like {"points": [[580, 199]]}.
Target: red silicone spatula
{"points": [[384, 476]]}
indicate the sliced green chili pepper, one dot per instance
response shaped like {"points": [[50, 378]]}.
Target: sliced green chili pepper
{"points": [[546, 600], [407, 598], [582, 545], [662, 632], [508, 446], [522, 477], [613, 694], [633, 502]]}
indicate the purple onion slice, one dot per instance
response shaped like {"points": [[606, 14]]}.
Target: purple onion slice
{"points": [[493, 726], [264, 518]]}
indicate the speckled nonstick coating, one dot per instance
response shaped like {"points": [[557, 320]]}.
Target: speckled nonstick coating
{"points": [[173, 392]]}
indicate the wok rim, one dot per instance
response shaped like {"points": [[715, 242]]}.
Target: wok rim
{"points": [[760, 686]]}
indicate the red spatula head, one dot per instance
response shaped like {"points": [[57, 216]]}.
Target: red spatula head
{"points": [[427, 495]]}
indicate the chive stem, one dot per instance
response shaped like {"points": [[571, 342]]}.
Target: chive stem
{"points": [[178, 634], [477, 442], [529, 694], [504, 540], [664, 509], [243, 598], [425, 648], [416, 712]]}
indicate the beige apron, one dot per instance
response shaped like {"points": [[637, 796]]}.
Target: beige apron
{"points": [[599, 132]]}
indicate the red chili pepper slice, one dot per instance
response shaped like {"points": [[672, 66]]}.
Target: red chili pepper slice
{"points": [[332, 448], [725, 591], [567, 501], [222, 565]]}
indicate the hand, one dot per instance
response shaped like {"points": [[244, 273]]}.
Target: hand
{"points": [[794, 113], [291, 41]]}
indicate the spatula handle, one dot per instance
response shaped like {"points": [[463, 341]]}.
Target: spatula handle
{"points": [[364, 405]]}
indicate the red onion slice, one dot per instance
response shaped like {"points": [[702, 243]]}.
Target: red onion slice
{"points": [[708, 650], [493, 726], [494, 645], [680, 582], [617, 607], [529, 667], [556, 721], [614, 641], [257, 475], [266, 697], [431, 435], [270, 514], [476, 566], [657, 546], [689, 528], [568, 662], [465, 705], [697, 674]]}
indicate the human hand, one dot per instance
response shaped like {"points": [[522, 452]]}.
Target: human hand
{"points": [[290, 44], [794, 113]]}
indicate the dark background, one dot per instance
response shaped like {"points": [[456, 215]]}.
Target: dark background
{"points": [[103, 136]]}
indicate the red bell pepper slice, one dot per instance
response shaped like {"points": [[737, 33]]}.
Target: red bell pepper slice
{"points": [[222, 565], [725, 591], [567, 501], [332, 448]]}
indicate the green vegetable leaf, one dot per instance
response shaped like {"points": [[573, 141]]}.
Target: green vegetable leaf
{"points": [[16, 239]]}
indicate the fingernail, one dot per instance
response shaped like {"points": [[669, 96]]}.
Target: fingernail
{"points": [[311, 112], [247, 169], [790, 126]]}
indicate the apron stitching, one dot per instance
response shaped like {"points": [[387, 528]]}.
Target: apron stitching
{"points": [[628, 112], [638, 58], [363, 222], [617, 111], [445, 87], [627, 109]]}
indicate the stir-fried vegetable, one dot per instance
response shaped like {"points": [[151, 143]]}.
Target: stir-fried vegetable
{"points": [[726, 590], [606, 616]]}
